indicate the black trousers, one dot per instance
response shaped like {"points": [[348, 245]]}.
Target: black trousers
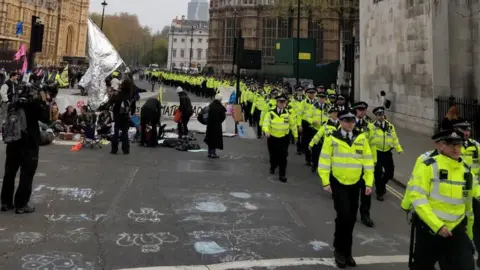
{"points": [[384, 171], [365, 201], [316, 154], [247, 114], [256, 116], [278, 150], [345, 202], [452, 253], [21, 157], [183, 126], [148, 118], [307, 135], [476, 224], [121, 124]]}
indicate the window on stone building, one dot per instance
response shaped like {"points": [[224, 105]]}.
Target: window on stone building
{"points": [[200, 40], [230, 30], [174, 40], [269, 36], [174, 52], [183, 40], [182, 53], [199, 54], [315, 31]]}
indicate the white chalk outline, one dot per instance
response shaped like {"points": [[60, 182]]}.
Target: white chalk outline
{"points": [[284, 262]]}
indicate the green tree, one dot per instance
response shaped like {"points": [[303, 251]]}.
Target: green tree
{"points": [[132, 40]]}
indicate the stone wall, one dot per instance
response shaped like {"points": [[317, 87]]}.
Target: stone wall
{"points": [[417, 50]]}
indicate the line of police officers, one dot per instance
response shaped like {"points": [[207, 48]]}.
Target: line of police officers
{"points": [[354, 152]]}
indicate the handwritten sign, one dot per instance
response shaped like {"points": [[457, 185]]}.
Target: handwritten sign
{"points": [[168, 108]]}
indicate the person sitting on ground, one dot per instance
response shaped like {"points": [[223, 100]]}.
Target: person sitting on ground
{"points": [[68, 118], [84, 121]]}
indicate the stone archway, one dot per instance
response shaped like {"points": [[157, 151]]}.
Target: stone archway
{"points": [[70, 41]]}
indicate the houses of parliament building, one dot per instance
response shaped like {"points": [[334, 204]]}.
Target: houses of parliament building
{"points": [[65, 32]]}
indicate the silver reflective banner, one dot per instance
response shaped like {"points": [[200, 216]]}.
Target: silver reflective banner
{"points": [[103, 60]]}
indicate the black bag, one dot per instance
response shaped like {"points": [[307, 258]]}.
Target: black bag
{"points": [[46, 138], [388, 103], [203, 115], [125, 107]]}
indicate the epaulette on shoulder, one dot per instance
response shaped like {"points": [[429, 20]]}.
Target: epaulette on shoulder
{"points": [[429, 161]]}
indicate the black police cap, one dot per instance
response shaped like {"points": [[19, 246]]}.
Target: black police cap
{"points": [[322, 95], [281, 98], [379, 110], [462, 125], [346, 115], [333, 109], [332, 96], [341, 97], [360, 105], [311, 90], [449, 136]]}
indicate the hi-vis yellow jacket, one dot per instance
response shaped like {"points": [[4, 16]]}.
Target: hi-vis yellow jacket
{"points": [[441, 192], [305, 109], [384, 138], [406, 204], [470, 153], [326, 129], [346, 162], [280, 125], [319, 115]]}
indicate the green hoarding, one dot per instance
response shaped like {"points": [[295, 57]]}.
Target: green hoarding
{"points": [[286, 49]]}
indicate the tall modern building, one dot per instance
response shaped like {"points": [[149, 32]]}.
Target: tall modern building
{"points": [[198, 10]]}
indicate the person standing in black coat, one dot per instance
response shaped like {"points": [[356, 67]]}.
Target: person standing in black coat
{"points": [[214, 134], [123, 106], [150, 115], [186, 110]]}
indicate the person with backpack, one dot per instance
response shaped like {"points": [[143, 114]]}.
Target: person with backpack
{"points": [[123, 104], [21, 133], [6, 90]]}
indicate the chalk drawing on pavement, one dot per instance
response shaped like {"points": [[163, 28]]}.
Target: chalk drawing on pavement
{"points": [[212, 207], [75, 236], [208, 248], [148, 242], [145, 214], [71, 193], [241, 218], [318, 245], [241, 195], [75, 218], [250, 206], [239, 243], [378, 241], [56, 261], [27, 237]]}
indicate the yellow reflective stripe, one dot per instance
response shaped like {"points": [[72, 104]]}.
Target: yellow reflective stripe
{"points": [[447, 216], [323, 155], [417, 189], [347, 165], [419, 202], [368, 167], [323, 166]]}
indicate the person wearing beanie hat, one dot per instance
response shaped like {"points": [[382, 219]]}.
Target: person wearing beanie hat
{"points": [[277, 126], [179, 90], [214, 133], [345, 161], [441, 191]]}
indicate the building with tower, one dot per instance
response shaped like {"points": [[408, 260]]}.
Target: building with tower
{"points": [[198, 10], [65, 33]]}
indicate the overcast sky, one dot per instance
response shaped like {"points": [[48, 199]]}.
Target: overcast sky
{"points": [[153, 13]]}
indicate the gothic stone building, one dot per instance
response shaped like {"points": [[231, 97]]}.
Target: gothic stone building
{"points": [[65, 27]]}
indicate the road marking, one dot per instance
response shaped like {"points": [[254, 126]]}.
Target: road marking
{"points": [[286, 262], [395, 192]]}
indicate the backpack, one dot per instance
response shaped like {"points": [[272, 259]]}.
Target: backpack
{"points": [[125, 107], [15, 126], [388, 103], [203, 115]]}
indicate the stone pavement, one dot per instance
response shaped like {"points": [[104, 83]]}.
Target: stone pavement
{"points": [[164, 208]]}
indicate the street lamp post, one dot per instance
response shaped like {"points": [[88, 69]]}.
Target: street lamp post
{"points": [[297, 56], [104, 4], [153, 52], [234, 40], [191, 48]]}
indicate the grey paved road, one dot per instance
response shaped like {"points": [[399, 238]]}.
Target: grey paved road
{"points": [[165, 208]]}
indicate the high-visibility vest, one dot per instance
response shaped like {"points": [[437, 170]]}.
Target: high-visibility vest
{"points": [[406, 204], [306, 109], [470, 154], [326, 129], [441, 192], [346, 162], [384, 139], [318, 114], [279, 125]]}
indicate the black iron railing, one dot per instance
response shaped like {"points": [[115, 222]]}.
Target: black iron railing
{"points": [[467, 108]]}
